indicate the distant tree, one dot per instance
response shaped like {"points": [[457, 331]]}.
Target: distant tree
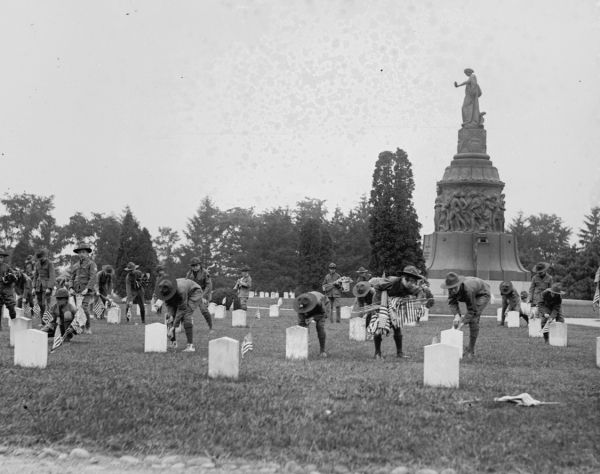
{"points": [[203, 234], [394, 227], [107, 240], [20, 253], [314, 254], [147, 259], [310, 208], [129, 248], [591, 231], [26, 216]]}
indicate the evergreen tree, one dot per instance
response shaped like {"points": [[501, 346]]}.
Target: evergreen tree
{"points": [[394, 227], [146, 258], [314, 254], [591, 231], [22, 250], [107, 241], [129, 248], [203, 233]]}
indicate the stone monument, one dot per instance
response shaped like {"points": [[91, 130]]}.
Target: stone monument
{"points": [[469, 236]]}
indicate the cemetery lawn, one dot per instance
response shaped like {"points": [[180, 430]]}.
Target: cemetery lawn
{"points": [[102, 392]]}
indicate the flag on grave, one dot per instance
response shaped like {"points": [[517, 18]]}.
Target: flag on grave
{"points": [[58, 338], [36, 310], [47, 317], [596, 300], [247, 344], [257, 313], [99, 308]]}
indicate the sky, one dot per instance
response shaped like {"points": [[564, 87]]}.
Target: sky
{"points": [[157, 104]]}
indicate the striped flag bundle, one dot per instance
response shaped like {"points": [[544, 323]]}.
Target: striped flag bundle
{"points": [[98, 308], [546, 328], [36, 310], [47, 317], [247, 344], [58, 338], [257, 313], [596, 300]]}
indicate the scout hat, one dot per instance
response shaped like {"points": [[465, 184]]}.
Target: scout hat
{"points": [[245, 268], [452, 280], [362, 270], [540, 267], [332, 265], [108, 269], [506, 287], [412, 271], [82, 246], [305, 302], [195, 261], [361, 289], [556, 288], [131, 266], [62, 293], [166, 288]]}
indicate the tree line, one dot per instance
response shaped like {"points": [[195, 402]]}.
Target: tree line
{"points": [[287, 249]]}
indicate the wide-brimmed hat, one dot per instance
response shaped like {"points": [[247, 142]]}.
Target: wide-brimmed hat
{"points": [[62, 293], [362, 270], [131, 266], [540, 267], [361, 289], [82, 246], [332, 265], [195, 261], [166, 288], [452, 280], [305, 302], [245, 268], [469, 70], [506, 287], [524, 295], [108, 268], [3, 252], [41, 253], [556, 288], [412, 271]]}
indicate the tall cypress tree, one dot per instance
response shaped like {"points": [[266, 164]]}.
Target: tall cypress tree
{"points": [[314, 254], [129, 242], [394, 226]]}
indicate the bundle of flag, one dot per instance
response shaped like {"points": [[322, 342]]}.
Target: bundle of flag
{"points": [[36, 310], [596, 300], [257, 312], [58, 339], [247, 344], [99, 308], [47, 317], [524, 400], [405, 311], [26, 309]]}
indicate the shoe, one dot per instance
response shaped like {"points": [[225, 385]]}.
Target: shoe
{"points": [[323, 355], [500, 324], [378, 356], [402, 355], [190, 348]]}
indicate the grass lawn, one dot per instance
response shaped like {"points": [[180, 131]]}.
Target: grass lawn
{"points": [[104, 393]]}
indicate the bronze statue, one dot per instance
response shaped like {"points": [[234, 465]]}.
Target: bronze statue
{"points": [[471, 116]]}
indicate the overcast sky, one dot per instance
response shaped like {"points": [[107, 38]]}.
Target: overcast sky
{"points": [[261, 103]]}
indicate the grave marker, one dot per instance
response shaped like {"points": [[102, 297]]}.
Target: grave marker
{"points": [[238, 318], [535, 327], [558, 334], [20, 312], [224, 358], [296, 343], [31, 348], [425, 316], [346, 312], [454, 338], [156, 338], [251, 294], [274, 311], [211, 308], [113, 316], [598, 351], [286, 295], [262, 294], [220, 312], [358, 330], [512, 319], [499, 315], [441, 366], [17, 325]]}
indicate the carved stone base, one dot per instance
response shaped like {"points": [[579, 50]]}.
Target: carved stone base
{"points": [[472, 140]]}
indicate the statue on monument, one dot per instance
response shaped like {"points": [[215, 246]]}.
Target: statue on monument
{"points": [[471, 117]]}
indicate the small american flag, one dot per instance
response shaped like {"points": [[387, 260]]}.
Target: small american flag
{"points": [[98, 308], [36, 310], [247, 344], [596, 300], [411, 311], [546, 328], [58, 339], [257, 313], [47, 317]]}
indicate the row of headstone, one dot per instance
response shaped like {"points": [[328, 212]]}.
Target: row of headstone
{"points": [[272, 294]]}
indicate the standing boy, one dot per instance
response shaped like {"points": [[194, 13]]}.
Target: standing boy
{"points": [[83, 280], [332, 289]]}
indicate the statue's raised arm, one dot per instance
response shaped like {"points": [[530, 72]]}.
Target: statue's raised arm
{"points": [[471, 117]]}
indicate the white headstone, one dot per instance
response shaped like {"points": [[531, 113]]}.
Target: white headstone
{"points": [[262, 294], [425, 316], [251, 294], [113, 315], [598, 351], [558, 334], [296, 343], [441, 366], [274, 294], [224, 358], [286, 295], [358, 331], [346, 312], [292, 295], [31, 348], [156, 338], [220, 312], [238, 318], [512, 319], [273, 311], [17, 325], [212, 306], [454, 338], [20, 312], [499, 315], [535, 327], [410, 323]]}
